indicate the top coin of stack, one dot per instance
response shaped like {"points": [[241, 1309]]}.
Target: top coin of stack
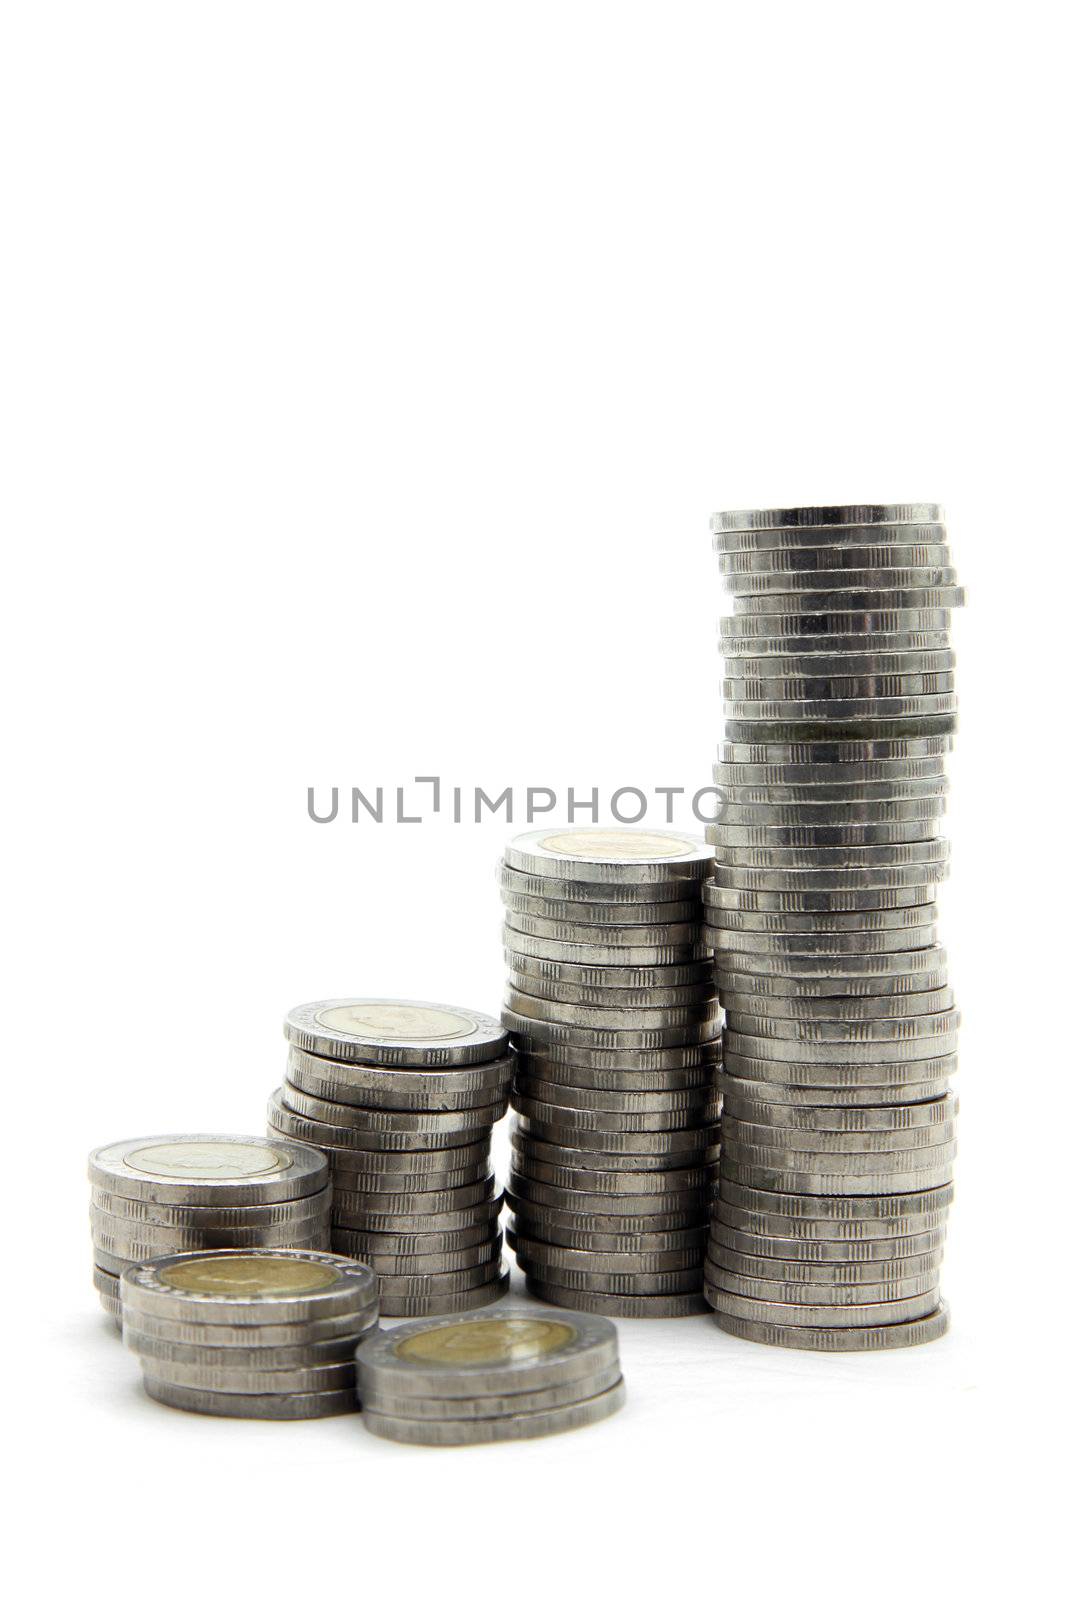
{"points": [[250, 1333], [401, 1096], [490, 1375], [614, 1015], [838, 1120], [201, 1191]]}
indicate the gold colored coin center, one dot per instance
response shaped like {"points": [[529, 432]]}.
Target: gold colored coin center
{"points": [[390, 1021], [248, 1275], [221, 1159], [494, 1341], [616, 844]]}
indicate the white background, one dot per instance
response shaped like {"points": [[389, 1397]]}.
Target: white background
{"points": [[370, 374]]}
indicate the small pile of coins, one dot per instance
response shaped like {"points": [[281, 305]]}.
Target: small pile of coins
{"points": [[613, 1012], [491, 1375], [201, 1191], [250, 1333], [401, 1097], [838, 1120]]}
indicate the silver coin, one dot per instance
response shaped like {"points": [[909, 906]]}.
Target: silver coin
{"points": [[415, 1033], [739, 1135], [533, 1070], [741, 1091], [688, 1150], [690, 1304], [842, 1211], [371, 1119], [447, 1219], [139, 1241], [351, 1167], [818, 921], [363, 1245], [273, 1407], [678, 1186], [506, 1352], [608, 938], [480, 1407], [813, 537], [881, 585], [359, 1185], [852, 1030], [248, 1286], [531, 1030], [207, 1169], [642, 1000], [353, 1204], [891, 640], [254, 1340], [861, 1316], [352, 1083], [843, 1119], [873, 941], [561, 1119], [878, 813], [527, 908], [581, 1235], [846, 757], [426, 1131], [792, 1181], [822, 1296], [476, 1255], [598, 976], [621, 1230], [816, 880], [312, 1208], [628, 1264], [838, 712], [826, 516], [699, 1102], [611, 895], [832, 1076], [619, 855], [614, 1141], [432, 1282], [519, 1425], [820, 857], [898, 1336], [927, 615], [601, 1016], [851, 1051], [833, 665], [771, 1270], [843, 557], [670, 1208], [584, 953], [683, 1282], [929, 959], [233, 1358], [437, 1305], [622, 1060], [899, 1247]]}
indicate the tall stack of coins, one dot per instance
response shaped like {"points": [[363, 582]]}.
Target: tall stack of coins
{"points": [[401, 1097], [201, 1191], [489, 1376], [250, 1333], [613, 1012], [840, 1045]]}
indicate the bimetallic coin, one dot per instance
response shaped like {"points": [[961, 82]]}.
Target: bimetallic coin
{"points": [[530, 909], [255, 1340], [793, 1248], [688, 1304], [773, 1270], [272, 1407], [586, 954], [624, 1262], [424, 1130], [205, 1360], [290, 1213], [356, 1204], [781, 540], [363, 1245], [587, 894], [480, 1407], [249, 1286], [623, 855], [206, 1169], [519, 1425], [826, 516], [599, 1016], [352, 1083], [838, 1184], [860, 1316], [398, 1033], [598, 976], [669, 1209]]}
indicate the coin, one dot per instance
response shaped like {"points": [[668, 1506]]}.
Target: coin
{"points": [[523, 1005], [669, 1208], [825, 516], [923, 616], [597, 976], [526, 910], [275, 1407], [484, 1406], [583, 952], [587, 893], [206, 1169], [686, 1304], [623, 855], [519, 1425], [248, 1286], [810, 561], [790, 1248], [435, 1305], [810, 536], [792, 1180], [449, 1088], [891, 639], [395, 1032], [896, 1336], [880, 585]]}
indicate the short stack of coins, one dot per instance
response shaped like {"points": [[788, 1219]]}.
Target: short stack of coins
{"points": [[613, 1012], [201, 1191], [492, 1375], [839, 1120], [401, 1097], [250, 1333]]}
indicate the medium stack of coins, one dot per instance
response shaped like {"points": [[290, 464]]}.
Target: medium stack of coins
{"points": [[613, 1012], [201, 1191], [401, 1097], [489, 1376], [840, 1045], [250, 1333]]}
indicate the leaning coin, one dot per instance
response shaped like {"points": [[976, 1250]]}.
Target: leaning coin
{"points": [[374, 1119], [612, 1141], [622, 1231], [631, 1041], [926, 960], [395, 1032], [356, 1203], [601, 1016], [519, 1425], [897, 1336], [816, 880], [871, 941], [249, 1286], [830, 1234], [350, 1165], [624, 855], [586, 954], [842, 1119], [915, 853], [869, 708], [915, 1047], [695, 1149], [801, 773], [641, 1000], [620, 1060], [746, 731], [820, 1296], [608, 937], [275, 1407], [681, 1186], [142, 1241], [840, 1008], [597, 913], [925, 601], [832, 1141], [778, 922], [352, 1189], [741, 1091], [839, 1184], [447, 1220], [446, 1263], [684, 1282], [205, 1169], [826, 516], [902, 1164], [721, 902], [832, 665], [852, 1030], [821, 814], [699, 1100], [429, 1131], [846, 1209], [584, 1119], [535, 1070], [845, 755], [582, 1235]]}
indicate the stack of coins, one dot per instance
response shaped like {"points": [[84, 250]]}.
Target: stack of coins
{"points": [[488, 1376], [401, 1097], [613, 1012], [250, 1333], [840, 1045], [201, 1191]]}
